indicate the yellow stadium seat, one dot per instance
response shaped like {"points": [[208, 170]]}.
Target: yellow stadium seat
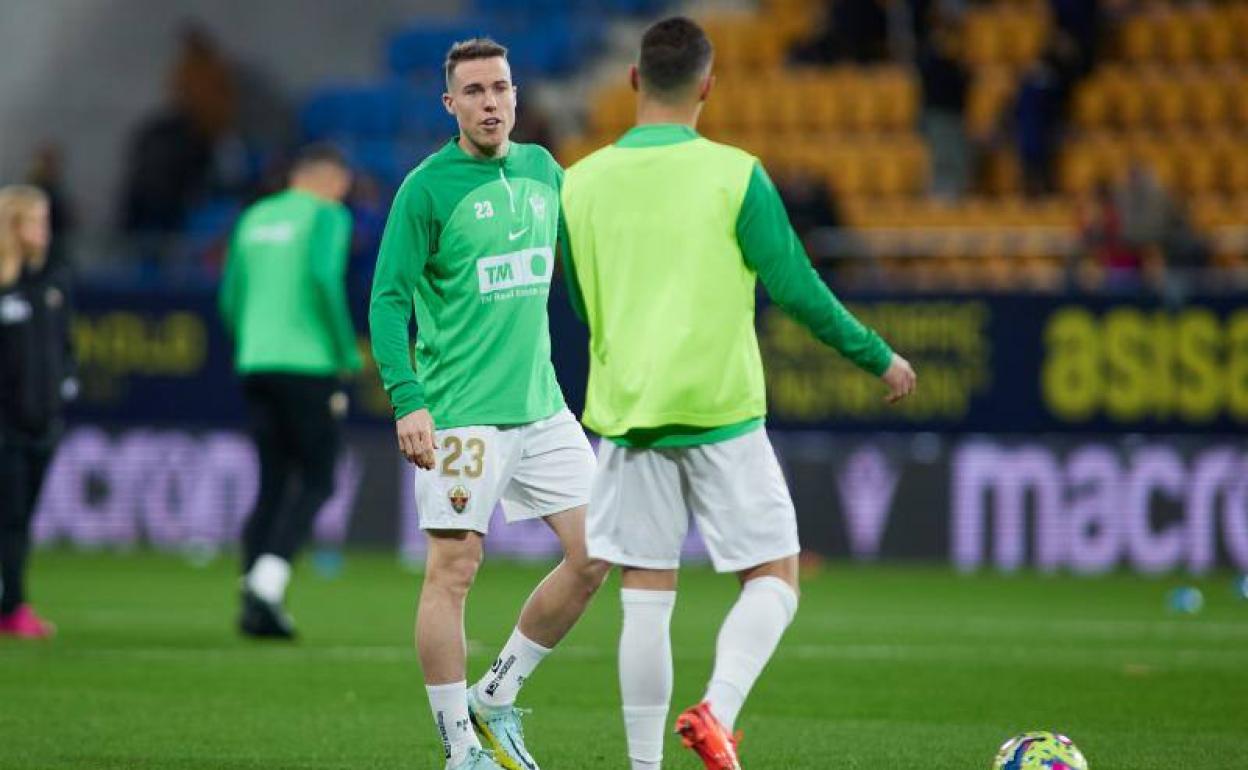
{"points": [[979, 40], [1235, 174], [1178, 42], [991, 90], [1215, 36], [1002, 173], [899, 96], [1198, 171], [1238, 105], [1209, 102], [1130, 103], [1077, 170], [1090, 108], [788, 102], [1138, 39], [753, 107], [613, 111], [1026, 33], [1168, 98], [1238, 15], [862, 103]]}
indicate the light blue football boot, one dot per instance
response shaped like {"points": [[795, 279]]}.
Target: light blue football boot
{"points": [[477, 759], [500, 729]]}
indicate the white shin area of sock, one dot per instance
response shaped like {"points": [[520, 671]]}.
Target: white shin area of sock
{"points": [[646, 672], [269, 577], [514, 665], [747, 640], [449, 703]]}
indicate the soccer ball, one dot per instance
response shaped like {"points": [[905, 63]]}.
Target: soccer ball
{"points": [[1039, 751]]}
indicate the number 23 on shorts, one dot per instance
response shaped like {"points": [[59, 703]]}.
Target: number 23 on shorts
{"points": [[466, 458]]}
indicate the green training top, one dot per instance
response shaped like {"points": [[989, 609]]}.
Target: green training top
{"points": [[470, 243], [282, 295], [667, 233]]}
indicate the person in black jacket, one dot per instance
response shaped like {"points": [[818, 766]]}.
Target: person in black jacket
{"points": [[35, 379]]}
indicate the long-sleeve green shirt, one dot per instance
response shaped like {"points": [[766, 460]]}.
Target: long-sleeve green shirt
{"points": [[282, 296], [654, 224], [469, 247]]}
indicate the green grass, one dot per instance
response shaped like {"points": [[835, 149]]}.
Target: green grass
{"points": [[886, 667]]}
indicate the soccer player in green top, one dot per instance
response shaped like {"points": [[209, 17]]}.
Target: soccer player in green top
{"points": [[668, 233], [470, 246], [282, 297]]}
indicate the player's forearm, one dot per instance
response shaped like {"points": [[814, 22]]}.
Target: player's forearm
{"points": [[804, 296], [388, 320], [774, 251]]}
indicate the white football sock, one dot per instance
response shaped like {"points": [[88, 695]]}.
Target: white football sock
{"points": [[269, 577], [450, 714], [514, 665], [646, 672], [746, 642]]}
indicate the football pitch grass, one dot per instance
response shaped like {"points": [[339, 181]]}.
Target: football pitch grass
{"points": [[885, 667]]}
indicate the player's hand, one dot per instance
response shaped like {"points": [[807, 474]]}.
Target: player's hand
{"points": [[900, 379], [416, 440]]}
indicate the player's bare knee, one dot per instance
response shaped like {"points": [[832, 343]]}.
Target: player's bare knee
{"points": [[592, 573], [453, 563]]}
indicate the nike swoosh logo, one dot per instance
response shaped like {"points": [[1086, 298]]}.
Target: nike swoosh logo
{"points": [[513, 236], [520, 754]]}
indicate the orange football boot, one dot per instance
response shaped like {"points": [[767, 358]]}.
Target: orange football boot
{"points": [[702, 732]]}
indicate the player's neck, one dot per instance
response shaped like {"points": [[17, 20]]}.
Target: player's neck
{"points": [[650, 112], [474, 151]]}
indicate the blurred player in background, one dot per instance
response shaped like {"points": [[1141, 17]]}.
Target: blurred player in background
{"points": [[470, 243], [668, 233], [283, 298], [36, 377]]}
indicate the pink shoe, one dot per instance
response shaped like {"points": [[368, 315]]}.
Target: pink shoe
{"points": [[23, 623]]}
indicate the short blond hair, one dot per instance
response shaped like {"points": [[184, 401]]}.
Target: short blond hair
{"points": [[16, 201]]}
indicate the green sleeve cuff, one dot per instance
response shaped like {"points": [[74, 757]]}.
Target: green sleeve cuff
{"points": [[407, 397]]}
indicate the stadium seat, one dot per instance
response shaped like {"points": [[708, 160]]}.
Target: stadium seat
{"points": [[1209, 102], [1090, 108], [1169, 102], [1178, 39], [1215, 36], [1138, 39]]}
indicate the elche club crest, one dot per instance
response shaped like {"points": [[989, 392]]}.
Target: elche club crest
{"points": [[459, 497], [538, 204]]}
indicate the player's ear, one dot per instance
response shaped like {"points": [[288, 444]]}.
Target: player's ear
{"points": [[447, 102], [634, 78], [704, 90]]}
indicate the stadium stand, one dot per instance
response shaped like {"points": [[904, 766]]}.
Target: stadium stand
{"points": [[1169, 92]]}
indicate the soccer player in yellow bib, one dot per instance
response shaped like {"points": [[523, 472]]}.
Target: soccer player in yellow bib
{"points": [[668, 233]]}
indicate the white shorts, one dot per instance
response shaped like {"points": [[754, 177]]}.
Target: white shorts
{"points": [[536, 469], [642, 498]]}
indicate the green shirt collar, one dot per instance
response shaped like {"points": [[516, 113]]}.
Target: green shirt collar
{"points": [[656, 135], [452, 150]]}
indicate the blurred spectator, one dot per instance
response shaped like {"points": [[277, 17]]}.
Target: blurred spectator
{"points": [[1106, 260], [945, 81], [203, 85], [1038, 113], [1155, 226], [46, 171], [171, 153], [852, 30], [1080, 21]]}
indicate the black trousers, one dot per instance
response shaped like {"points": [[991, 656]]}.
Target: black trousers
{"points": [[297, 438], [23, 464]]}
